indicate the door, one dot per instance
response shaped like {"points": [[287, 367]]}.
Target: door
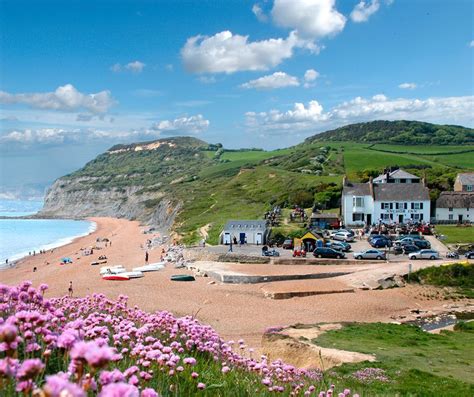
{"points": [[369, 219], [400, 218], [242, 238], [226, 238], [258, 239], [460, 218]]}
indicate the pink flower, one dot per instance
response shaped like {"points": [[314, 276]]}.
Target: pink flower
{"points": [[30, 369], [148, 392], [119, 390], [225, 369], [201, 386], [58, 386]]}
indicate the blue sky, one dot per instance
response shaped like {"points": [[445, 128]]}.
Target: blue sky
{"points": [[77, 77]]}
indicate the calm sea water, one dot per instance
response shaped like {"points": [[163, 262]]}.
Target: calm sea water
{"points": [[18, 237]]}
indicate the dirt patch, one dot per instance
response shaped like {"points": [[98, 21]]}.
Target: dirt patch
{"points": [[293, 345], [203, 231]]}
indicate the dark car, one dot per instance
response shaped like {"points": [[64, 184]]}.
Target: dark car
{"points": [[422, 244], [408, 249], [470, 255], [324, 252], [339, 245], [270, 253], [381, 242], [287, 244]]}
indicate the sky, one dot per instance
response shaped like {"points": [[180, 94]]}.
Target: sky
{"points": [[77, 77]]}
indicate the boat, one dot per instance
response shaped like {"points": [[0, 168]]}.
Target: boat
{"points": [[152, 267], [115, 277], [182, 277], [134, 274], [112, 269]]}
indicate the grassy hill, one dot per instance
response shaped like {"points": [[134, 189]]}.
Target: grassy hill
{"points": [[211, 185]]}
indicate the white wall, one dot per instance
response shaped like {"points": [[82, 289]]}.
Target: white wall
{"points": [[407, 213], [348, 209], [442, 214]]}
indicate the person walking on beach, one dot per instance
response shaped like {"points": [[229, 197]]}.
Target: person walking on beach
{"points": [[146, 257], [70, 291], [230, 246]]}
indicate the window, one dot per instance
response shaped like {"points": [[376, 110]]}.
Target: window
{"points": [[385, 217], [450, 209], [450, 217], [416, 206], [357, 217], [358, 201], [417, 217], [401, 206], [385, 206], [469, 188]]}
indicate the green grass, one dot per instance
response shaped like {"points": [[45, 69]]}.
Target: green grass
{"points": [[423, 149], [417, 363], [456, 234]]}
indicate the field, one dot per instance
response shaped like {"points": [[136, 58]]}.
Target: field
{"points": [[456, 234], [413, 361]]}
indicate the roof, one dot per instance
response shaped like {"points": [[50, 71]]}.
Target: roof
{"points": [[455, 200], [397, 174], [325, 216], [356, 189], [466, 178], [246, 224], [401, 192]]}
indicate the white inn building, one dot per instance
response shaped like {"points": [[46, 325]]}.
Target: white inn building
{"points": [[371, 203]]}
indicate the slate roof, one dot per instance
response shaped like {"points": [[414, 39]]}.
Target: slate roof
{"points": [[401, 192], [356, 189], [466, 178], [455, 200], [397, 174], [246, 225]]}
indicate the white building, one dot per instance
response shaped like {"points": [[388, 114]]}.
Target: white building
{"points": [[464, 182], [245, 232], [397, 176], [455, 207], [370, 203]]}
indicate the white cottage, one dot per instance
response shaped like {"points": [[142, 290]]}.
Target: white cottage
{"points": [[455, 207], [370, 203], [245, 232]]}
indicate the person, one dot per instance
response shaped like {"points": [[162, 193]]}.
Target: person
{"points": [[230, 247], [70, 289], [6, 261], [34, 269], [235, 240], [146, 257]]}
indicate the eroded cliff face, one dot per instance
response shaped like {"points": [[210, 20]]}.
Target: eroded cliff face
{"points": [[75, 198]]}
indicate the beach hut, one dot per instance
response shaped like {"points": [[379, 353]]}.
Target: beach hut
{"points": [[245, 232], [309, 241]]}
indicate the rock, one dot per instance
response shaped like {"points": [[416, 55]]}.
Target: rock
{"points": [[391, 282], [211, 282]]}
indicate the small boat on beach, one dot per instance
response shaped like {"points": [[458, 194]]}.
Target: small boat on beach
{"points": [[115, 277], [112, 269], [152, 267], [182, 277], [133, 274]]}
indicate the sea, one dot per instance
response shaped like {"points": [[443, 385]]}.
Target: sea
{"points": [[19, 237]]}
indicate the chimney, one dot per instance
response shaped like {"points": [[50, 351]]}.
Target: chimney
{"points": [[387, 174], [371, 187]]}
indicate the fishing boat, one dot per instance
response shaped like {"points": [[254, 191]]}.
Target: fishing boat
{"points": [[133, 274], [115, 277], [152, 267], [182, 277], [112, 269]]}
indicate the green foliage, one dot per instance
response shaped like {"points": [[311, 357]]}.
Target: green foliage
{"points": [[454, 275]]}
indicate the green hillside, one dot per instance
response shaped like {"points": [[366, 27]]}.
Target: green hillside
{"points": [[212, 185]]}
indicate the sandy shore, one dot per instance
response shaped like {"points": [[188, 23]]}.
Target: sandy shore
{"points": [[235, 311]]}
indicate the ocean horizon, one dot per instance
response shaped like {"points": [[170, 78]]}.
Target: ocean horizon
{"points": [[19, 237]]}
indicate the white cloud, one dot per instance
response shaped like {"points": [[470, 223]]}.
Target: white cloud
{"points": [[407, 86], [182, 125], [65, 98], [471, 44], [363, 10], [258, 12], [311, 18], [134, 67], [309, 77], [228, 53], [312, 117], [272, 81]]}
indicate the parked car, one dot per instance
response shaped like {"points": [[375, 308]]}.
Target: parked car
{"points": [[423, 244], [470, 255], [408, 249], [324, 252], [424, 254], [349, 231], [452, 255], [370, 254], [343, 236], [406, 240], [339, 245], [380, 242], [270, 253], [287, 244]]}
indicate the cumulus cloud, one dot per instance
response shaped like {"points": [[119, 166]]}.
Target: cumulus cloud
{"points": [[228, 53], [182, 125], [272, 81], [363, 10], [65, 98], [258, 12], [309, 77], [311, 18], [407, 86], [312, 117], [134, 67]]}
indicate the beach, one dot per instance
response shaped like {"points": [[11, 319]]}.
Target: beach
{"points": [[235, 310]]}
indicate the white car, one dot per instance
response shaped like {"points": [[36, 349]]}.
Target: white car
{"points": [[424, 254], [343, 236]]}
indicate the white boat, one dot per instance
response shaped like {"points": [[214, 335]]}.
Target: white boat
{"points": [[152, 267], [112, 269], [133, 274]]}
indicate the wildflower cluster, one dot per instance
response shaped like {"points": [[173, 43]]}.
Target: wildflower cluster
{"points": [[95, 346], [368, 375]]}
